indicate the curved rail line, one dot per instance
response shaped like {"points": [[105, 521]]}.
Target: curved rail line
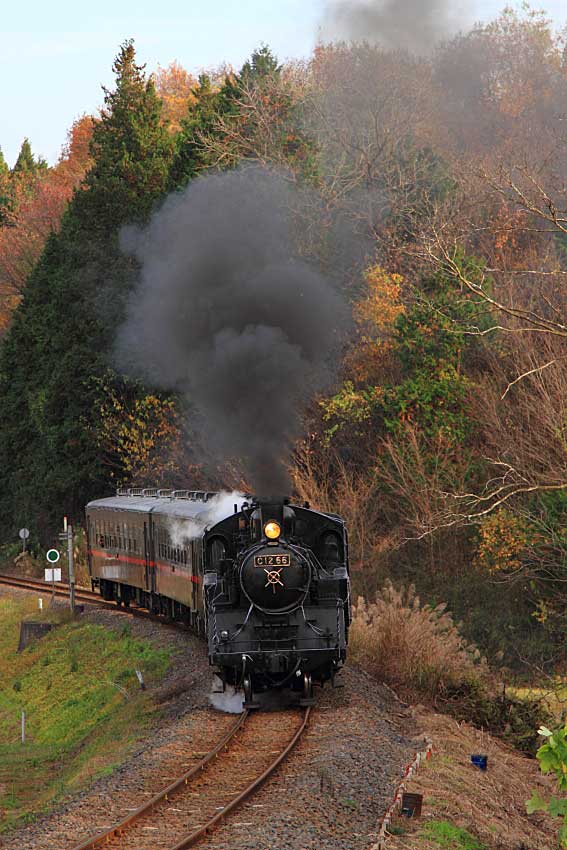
{"points": [[157, 811], [46, 587], [162, 796], [81, 594], [117, 836]]}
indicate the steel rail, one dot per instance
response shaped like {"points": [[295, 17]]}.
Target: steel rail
{"points": [[117, 830], [194, 837], [63, 590], [46, 586]]}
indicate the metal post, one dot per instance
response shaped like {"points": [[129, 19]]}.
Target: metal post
{"points": [[70, 556]]}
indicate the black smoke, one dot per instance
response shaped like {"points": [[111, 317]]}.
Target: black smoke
{"points": [[413, 25], [227, 313]]}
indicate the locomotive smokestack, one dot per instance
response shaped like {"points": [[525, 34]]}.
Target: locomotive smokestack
{"points": [[227, 313]]}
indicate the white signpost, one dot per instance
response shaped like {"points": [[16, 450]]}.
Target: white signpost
{"points": [[52, 574], [24, 534]]}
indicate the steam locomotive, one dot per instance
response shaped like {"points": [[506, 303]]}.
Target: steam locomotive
{"points": [[266, 582]]}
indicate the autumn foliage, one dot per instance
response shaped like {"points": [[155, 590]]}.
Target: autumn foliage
{"points": [[37, 201], [436, 202]]}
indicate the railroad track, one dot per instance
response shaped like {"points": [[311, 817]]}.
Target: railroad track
{"points": [[46, 588], [183, 813], [187, 809], [62, 590]]}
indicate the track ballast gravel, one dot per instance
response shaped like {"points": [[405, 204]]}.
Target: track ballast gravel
{"points": [[328, 795]]}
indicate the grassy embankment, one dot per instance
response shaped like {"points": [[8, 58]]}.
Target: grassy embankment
{"points": [[84, 709], [468, 809]]}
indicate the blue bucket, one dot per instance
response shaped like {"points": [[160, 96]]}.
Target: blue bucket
{"points": [[480, 761]]}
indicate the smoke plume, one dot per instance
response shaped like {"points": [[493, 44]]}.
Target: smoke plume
{"points": [[227, 313], [413, 25]]}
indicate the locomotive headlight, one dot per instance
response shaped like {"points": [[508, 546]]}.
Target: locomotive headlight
{"points": [[272, 530]]}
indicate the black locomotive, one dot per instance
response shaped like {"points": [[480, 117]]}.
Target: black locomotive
{"points": [[267, 584]]}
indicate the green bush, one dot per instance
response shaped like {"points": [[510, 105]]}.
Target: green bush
{"points": [[552, 757]]}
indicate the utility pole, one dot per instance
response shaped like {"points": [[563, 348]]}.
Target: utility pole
{"points": [[70, 555], [68, 532]]}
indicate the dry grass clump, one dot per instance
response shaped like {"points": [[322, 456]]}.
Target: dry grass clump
{"points": [[413, 647]]}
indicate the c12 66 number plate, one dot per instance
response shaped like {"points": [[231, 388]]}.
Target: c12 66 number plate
{"points": [[272, 560]]}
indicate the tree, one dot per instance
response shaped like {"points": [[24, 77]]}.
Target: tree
{"points": [[5, 193], [191, 155], [26, 164], [131, 151], [34, 210], [57, 349], [252, 115], [261, 65], [175, 86]]}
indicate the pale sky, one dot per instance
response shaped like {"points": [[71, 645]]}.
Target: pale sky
{"points": [[54, 60]]}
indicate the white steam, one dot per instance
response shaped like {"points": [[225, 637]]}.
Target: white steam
{"points": [[217, 508], [230, 701]]}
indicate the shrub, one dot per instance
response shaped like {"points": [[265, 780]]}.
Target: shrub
{"points": [[419, 650], [552, 757], [414, 647]]}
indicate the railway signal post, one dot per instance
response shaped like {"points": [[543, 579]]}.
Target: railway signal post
{"points": [[52, 574]]}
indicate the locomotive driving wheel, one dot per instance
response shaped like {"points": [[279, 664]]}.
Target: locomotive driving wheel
{"points": [[248, 693], [307, 697], [247, 687]]}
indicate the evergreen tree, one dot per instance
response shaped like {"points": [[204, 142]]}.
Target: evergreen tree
{"points": [[5, 190], [54, 363], [25, 163], [202, 120], [211, 113], [130, 148], [261, 64]]}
